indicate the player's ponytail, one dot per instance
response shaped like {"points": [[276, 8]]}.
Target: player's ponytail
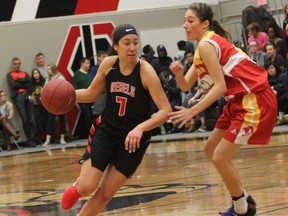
{"points": [[218, 29]]}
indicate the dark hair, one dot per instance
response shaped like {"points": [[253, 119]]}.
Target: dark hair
{"points": [[270, 63], [270, 43], [82, 60], [146, 49], [101, 52], [181, 45], [204, 12], [253, 27], [41, 78], [39, 54]]}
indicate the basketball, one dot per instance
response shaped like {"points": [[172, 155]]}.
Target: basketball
{"points": [[58, 96]]}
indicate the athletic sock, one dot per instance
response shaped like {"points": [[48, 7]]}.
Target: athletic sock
{"points": [[245, 194], [240, 204]]}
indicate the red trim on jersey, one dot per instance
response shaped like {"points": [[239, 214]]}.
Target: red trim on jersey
{"points": [[93, 6]]}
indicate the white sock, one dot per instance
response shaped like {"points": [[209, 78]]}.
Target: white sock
{"points": [[245, 194], [240, 205]]}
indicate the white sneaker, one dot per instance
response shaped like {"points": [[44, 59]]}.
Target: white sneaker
{"points": [[62, 142], [45, 143]]}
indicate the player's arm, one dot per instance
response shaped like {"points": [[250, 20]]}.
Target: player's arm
{"points": [[210, 58], [152, 83], [98, 84]]}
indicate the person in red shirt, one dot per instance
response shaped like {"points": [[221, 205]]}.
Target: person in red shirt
{"points": [[18, 81]]}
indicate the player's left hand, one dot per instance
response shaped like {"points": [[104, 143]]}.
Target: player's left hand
{"points": [[181, 116], [132, 140]]}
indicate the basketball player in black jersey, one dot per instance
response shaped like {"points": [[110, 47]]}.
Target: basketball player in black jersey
{"points": [[120, 136]]}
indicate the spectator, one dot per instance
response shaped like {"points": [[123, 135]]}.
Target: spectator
{"points": [[255, 35], [99, 104], [201, 92], [50, 129], [180, 55], [279, 83], [82, 80], [285, 21], [173, 94], [18, 81], [283, 47], [39, 112], [258, 56], [274, 37], [6, 120], [163, 58], [148, 53], [41, 64], [100, 57], [273, 56]]}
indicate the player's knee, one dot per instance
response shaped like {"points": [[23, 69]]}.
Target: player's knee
{"points": [[85, 189], [219, 161], [208, 152], [105, 195]]}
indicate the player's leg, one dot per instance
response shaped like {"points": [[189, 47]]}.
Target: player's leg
{"points": [[222, 160], [86, 183], [111, 183], [212, 142]]}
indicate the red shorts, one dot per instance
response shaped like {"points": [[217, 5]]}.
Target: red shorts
{"points": [[250, 118]]}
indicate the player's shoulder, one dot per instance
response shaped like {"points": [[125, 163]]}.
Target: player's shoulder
{"points": [[145, 65], [110, 60]]}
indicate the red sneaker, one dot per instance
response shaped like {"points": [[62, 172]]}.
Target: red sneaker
{"points": [[70, 197]]}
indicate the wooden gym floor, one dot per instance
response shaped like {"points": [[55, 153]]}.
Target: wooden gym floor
{"points": [[174, 179]]}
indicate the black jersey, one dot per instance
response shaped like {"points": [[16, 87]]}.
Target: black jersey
{"points": [[128, 103]]}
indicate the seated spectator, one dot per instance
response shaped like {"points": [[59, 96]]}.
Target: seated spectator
{"points": [[274, 37], [163, 58], [283, 47], [180, 55], [285, 21], [258, 56], [50, 129], [278, 82], [173, 94], [201, 92], [6, 120], [39, 112], [148, 53], [274, 57], [255, 35]]}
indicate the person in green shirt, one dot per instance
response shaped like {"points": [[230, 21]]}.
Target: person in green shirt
{"points": [[82, 80]]}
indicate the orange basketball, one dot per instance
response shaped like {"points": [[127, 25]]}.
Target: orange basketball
{"points": [[58, 96]]}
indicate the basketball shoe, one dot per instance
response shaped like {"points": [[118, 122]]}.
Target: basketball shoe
{"points": [[251, 211], [70, 197]]}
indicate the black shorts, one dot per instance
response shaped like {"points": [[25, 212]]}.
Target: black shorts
{"points": [[109, 148]]}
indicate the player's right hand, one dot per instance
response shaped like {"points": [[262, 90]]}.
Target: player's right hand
{"points": [[177, 68]]}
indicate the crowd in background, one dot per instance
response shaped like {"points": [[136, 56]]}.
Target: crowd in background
{"points": [[267, 47]]}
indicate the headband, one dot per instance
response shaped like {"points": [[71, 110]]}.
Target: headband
{"points": [[122, 30]]}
